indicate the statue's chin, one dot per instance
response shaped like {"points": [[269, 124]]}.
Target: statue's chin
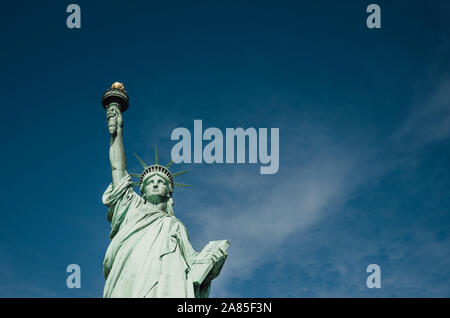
{"points": [[156, 199]]}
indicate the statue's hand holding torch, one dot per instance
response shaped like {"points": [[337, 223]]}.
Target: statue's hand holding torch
{"points": [[114, 118]]}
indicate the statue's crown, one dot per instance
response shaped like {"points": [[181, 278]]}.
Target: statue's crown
{"points": [[160, 170], [157, 168]]}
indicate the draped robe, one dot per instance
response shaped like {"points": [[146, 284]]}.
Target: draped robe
{"points": [[150, 254]]}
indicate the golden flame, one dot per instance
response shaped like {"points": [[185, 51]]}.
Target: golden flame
{"points": [[118, 85]]}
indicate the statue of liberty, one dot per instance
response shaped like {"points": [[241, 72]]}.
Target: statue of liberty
{"points": [[149, 254]]}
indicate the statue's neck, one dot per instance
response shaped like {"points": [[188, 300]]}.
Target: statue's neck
{"points": [[156, 202]]}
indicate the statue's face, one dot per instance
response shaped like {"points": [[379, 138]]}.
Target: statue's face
{"points": [[155, 185]]}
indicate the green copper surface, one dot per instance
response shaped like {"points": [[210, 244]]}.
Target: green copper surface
{"points": [[149, 254]]}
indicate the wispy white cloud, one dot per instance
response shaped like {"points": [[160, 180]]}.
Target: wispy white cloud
{"points": [[264, 212], [413, 263], [428, 121], [261, 213]]}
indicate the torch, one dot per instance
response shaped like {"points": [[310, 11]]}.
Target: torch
{"points": [[116, 96]]}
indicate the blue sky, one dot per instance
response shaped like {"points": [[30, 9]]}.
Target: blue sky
{"points": [[364, 119]]}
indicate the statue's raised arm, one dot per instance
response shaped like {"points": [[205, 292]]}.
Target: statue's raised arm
{"points": [[115, 101]]}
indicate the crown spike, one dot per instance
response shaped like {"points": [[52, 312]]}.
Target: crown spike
{"points": [[136, 175], [143, 164], [174, 175], [156, 155], [169, 164], [181, 185]]}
